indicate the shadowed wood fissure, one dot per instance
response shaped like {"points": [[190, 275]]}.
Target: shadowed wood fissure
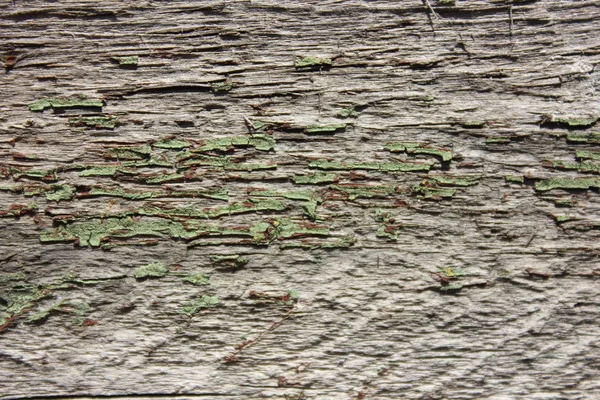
{"points": [[299, 200]]}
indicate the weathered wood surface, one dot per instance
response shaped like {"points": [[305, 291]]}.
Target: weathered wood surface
{"points": [[417, 289]]}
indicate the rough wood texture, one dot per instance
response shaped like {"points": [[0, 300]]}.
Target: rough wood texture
{"points": [[403, 202]]}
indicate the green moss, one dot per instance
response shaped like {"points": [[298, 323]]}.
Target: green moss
{"points": [[152, 270], [99, 192], [315, 179], [197, 279], [129, 152], [444, 180], [416, 148], [349, 112], [312, 62], [18, 300], [587, 155], [325, 129], [129, 61], [95, 122], [591, 137], [195, 306], [80, 101], [497, 140], [514, 178], [224, 86], [365, 191], [567, 183], [371, 166]]}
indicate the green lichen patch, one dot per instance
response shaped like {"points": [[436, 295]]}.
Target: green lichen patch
{"points": [[13, 277], [259, 142], [587, 155], [187, 159], [589, 166], [569, 123], [498, 140], [42, 315], [60, 192], [126, 62], [99, 170], [232, 261], [473, 124], [165, 178], [325, 129], [590, 137], [567, 184], [565, 203], [514, 179], [305, 195], [562, 165], [17, 210], [129, 152], [197, 279], [221, 87], [416, 148], [451, 288], [388, 231], [432, 193], [18, 300], [214, 212], [287, 298], [95, 232], [349, 112], [95, 122], [312, 63], [446, 180], [371, 166], [315, 179], [80, 101], [81, 310], [354, 191], [152, 270], [172, 144], [342, 243], [197, 305], [48, 175]]}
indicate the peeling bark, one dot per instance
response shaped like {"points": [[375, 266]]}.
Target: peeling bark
{"points": [[299, 200]]}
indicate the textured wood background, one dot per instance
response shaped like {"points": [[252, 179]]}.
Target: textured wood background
{"points": [[297, 257]]}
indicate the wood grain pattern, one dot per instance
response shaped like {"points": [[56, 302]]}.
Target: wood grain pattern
{"points": [[299, 200]]}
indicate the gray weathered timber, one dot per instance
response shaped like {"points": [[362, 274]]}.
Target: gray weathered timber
{"points": [[300, 200]]}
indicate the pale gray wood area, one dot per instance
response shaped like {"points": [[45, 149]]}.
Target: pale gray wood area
{"points": [[484, 287]]}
